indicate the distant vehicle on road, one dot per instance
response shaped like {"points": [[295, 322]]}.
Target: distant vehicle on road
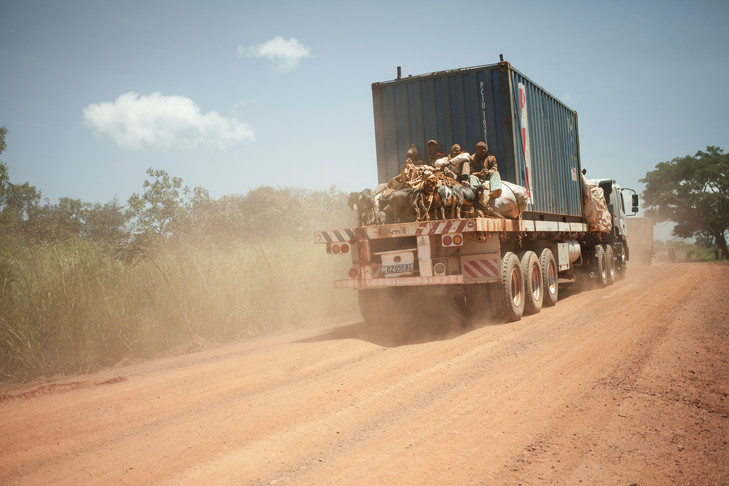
{"points": [[666, 254]]}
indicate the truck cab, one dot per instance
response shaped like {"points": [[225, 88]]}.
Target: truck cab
{"points": [[616, 206]]}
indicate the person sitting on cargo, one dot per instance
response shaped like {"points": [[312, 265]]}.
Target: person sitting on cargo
{"points": [[482, 167], [433, 152], [453, 163], [408, 173], [414, 156]]}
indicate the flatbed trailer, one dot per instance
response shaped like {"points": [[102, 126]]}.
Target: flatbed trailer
{"points": [[474, 260], [496, 267]]}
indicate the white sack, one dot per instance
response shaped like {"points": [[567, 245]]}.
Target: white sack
{"points": [[512, 202], [454, 163]]}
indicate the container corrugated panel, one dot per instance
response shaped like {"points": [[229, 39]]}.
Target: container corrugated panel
{"points": [[532, 134]]}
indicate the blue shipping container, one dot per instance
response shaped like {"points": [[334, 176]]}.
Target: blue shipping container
{"points": [[532, 134]]}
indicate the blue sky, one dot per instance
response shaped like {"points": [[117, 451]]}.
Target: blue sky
{"points": [[233, 95]]}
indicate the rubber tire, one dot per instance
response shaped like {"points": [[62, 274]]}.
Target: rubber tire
{"points": [[533, 282], [610, 260], [372, 306], [620, 272], [550, 276], [601, 266], [508, 294]]}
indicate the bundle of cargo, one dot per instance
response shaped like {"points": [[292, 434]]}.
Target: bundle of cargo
{"points": [[596, 210], [512, 202], [425, 197]]}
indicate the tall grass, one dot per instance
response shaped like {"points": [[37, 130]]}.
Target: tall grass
{"points": [[74, 307]]}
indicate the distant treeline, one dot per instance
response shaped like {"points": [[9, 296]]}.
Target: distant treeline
{"points": [[85, 285], [168, 211]]}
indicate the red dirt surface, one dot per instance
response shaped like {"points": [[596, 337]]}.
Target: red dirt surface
{"points": [[622, 385]]}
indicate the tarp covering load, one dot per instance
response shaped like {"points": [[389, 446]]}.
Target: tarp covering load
{"points": [[596, 211], [512, 202]]}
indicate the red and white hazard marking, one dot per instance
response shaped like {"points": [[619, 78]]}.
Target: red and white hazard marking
{"points": [[478, 269], [446, 226]]}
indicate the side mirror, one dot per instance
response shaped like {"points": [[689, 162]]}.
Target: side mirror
{"points": [[635, 203]]}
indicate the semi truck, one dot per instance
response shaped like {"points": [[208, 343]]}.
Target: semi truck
{"points": [[490, 267]]}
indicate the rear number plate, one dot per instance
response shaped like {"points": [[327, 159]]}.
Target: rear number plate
{"points": [[406, 267]]}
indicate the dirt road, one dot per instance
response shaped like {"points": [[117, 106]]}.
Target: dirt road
{"points": [[623, 385]]}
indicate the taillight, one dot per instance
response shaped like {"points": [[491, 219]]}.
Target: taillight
{"points": [[353, 272], [452, 240], [337, 248]]}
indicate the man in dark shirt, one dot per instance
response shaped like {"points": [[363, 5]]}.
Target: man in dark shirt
{"points": [[482, 167], [433, 153]]}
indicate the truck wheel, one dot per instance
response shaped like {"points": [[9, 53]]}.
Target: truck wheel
{"points": [[509, 292], [372, 306], [601, 266], [533, 282], [622, 264], [610, 260], [550, 277]]}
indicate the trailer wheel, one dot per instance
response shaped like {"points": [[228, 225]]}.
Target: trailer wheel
{"points": [[610, 260], [601, 266], [533, 282], [372, 305], [550, 276], [509, 292]]}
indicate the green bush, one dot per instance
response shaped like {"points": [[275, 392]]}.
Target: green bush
{"points": [[687, 251]]}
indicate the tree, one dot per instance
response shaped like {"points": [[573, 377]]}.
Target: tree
{"points": [[164, 203], [105, 222], [18, 202], [4, 175], [693, 192], [3, 132]]}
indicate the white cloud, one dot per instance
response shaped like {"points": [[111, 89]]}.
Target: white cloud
{"points": [[286, 54], [135, 122]]}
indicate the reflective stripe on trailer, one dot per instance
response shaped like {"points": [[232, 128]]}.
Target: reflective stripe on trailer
{"points": [[399, 282], [481, 268], [340, 235], [447, 226], [439, 227]]}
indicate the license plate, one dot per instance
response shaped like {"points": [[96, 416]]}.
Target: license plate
{"points": [[402, 268]]}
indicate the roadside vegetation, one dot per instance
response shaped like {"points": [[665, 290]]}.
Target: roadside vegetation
{"points": [[686, 251], [693, 193], [84, 286]]}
